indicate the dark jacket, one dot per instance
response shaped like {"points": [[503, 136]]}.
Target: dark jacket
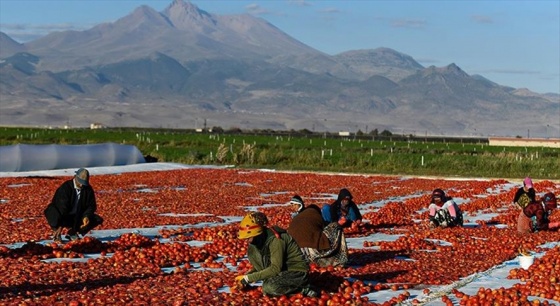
{"points": [[62, 202], [537, 211], [280, 252], [307, 229], [352, 214]]}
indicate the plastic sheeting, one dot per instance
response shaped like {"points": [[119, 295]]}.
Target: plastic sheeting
{"points": [[24, 157]]}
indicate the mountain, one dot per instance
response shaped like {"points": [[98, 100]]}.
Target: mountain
{"points": [[181, 31], [171, 68], [380, 61], [8, 46]]}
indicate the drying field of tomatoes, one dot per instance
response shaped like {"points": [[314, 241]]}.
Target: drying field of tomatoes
{"points": [[133, 269]]}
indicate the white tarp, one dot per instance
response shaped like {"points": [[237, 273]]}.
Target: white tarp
{"points": [[24, 157]]}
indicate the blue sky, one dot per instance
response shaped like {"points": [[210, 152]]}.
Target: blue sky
{"points": [[513, 43]]}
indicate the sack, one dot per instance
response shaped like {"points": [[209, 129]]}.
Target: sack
{"points": [[336, 255]]}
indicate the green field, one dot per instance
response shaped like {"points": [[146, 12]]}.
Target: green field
{"points": [[318, 152]]}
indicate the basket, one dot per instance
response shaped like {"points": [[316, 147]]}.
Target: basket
{"points": [[526, 261]]}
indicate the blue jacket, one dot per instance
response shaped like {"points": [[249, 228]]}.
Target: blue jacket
{"points": [[334, 211]]}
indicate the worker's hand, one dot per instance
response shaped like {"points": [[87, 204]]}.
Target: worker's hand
{"points": [[241, 281], [85, 222], [554, 224], [57, 234], [342, 221], [433, 222]]}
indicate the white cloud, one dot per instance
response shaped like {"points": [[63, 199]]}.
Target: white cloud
{"points": [[299, 2], [407, 23], [482, 19], [510, 71], [330, 10], [28, 32], [428, 61], [255, 9]]}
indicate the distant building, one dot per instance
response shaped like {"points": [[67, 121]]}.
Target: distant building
{"points": [[524, 142], [343, 133], [95, 126]]}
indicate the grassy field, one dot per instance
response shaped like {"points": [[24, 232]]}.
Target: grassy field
{"points": [[381, 155]]}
